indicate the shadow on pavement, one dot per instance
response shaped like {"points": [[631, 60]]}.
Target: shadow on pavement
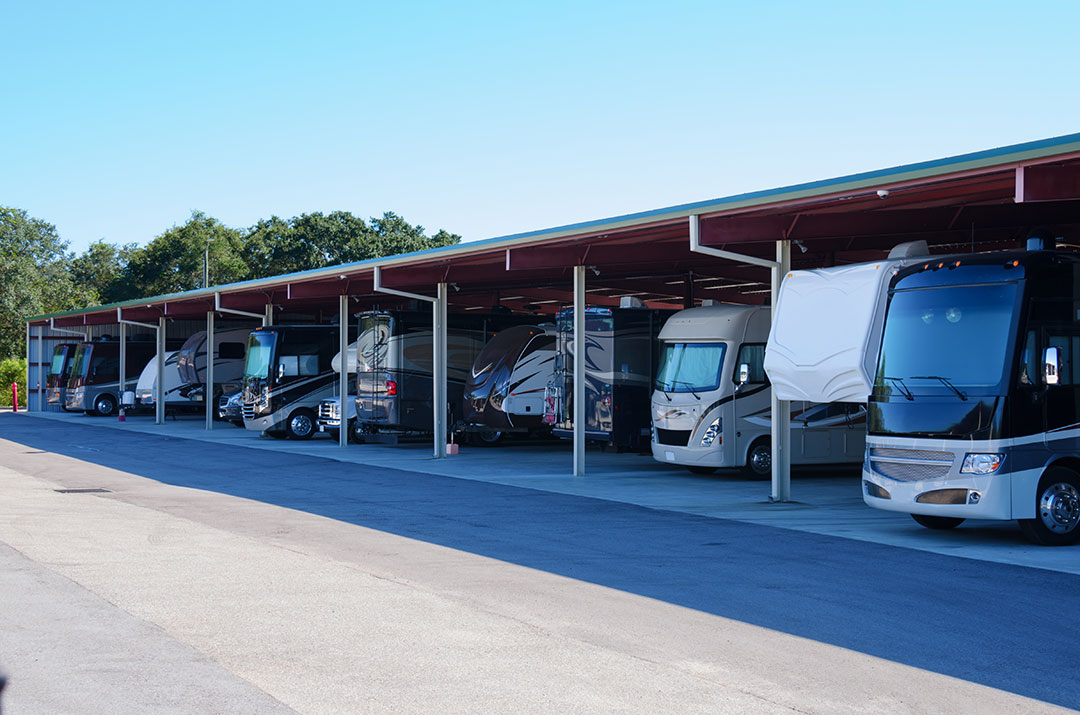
{"points": [[984, 622]]}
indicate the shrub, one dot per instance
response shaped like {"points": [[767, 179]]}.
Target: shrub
{"points": [[12, 370]]}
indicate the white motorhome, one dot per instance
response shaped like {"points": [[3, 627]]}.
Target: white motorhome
{"points": [[711, 402]]}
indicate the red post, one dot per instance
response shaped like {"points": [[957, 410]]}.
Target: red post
{"points": [[14, 397]]}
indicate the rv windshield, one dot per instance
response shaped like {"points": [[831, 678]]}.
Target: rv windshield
{"points": [[79, 365], [260, 348], [947, 339], [690, 367], [57, 365]]}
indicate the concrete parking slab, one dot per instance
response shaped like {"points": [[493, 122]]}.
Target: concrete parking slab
{"points": [[340, 588], [825, 502]]}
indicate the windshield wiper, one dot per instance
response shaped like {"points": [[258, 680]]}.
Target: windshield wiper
{"points": [[944, 381], [689, 387], [901, 386]]}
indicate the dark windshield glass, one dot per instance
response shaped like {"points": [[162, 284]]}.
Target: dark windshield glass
{"points": [[79, 365], [690, 367], [56, 367], [260, 348], [958, 334]]}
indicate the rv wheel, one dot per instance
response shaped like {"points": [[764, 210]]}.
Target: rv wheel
{"points": [[940, 523], [759, 460], [301, 424], [488, 436], [1057, 509], [105, 405]]}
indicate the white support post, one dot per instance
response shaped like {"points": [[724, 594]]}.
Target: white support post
{"points": [[8, 387], [439, 369], [40, 365], [438, 386], [781, 409], [343, 376], [123, 362], [208, 390], [159, 397], [579, 371]]}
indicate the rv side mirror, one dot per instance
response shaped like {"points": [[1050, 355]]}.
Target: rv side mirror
{"points": [[744, 374], [1051, 366]]}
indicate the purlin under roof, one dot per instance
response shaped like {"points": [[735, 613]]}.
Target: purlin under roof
{"points": [[840, 219]]}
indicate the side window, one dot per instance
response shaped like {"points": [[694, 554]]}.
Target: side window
{"points": [[1068, 348], [752, 354]]}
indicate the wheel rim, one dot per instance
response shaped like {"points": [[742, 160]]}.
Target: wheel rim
{"points": [[301, 425], [760, 460], [1059, 508], [104, 406], [490, 437]]}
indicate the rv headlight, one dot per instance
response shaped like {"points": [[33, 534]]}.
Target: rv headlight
{"points": [[712, 434], [982, 463]]}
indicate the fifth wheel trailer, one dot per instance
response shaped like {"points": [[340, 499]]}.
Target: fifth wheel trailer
{"points": [[711, 402]]}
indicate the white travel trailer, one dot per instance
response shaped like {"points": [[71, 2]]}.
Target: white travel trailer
{"points": [[145, 388], [711, 402]]}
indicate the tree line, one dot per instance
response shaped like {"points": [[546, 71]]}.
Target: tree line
{"points": [[38, 274]]}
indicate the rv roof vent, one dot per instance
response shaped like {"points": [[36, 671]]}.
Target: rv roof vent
{"points": [[911, 249], [630, 301], [1040, 239], [708, 302]]}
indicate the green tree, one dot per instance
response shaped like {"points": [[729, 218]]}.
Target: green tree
{"points": [[173, 261], [34, 277], [101, 268]]}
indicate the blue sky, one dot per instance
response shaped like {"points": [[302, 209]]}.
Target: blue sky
{"points": [[494, 118]]}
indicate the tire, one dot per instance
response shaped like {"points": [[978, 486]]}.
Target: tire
{"points": [[701, 470], [301, 424], [938, 523], [1057, 509], [759, 460], [488, 437], [104, 406]]}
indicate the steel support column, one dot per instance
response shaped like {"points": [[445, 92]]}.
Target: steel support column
{"points": [[343, 375], [781, 409], [123, 363], [579, 371], [439, 369], [159, 389], [41, 377], [15, 406], [268, 316], [208, 390]]}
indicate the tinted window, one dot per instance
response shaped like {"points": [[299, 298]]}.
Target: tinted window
{"points": [[752, 355]]}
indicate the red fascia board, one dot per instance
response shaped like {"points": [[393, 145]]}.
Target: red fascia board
{"points": [[1051, 182]]}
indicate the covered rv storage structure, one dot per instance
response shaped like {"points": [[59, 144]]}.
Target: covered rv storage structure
{"points": [[735, 249]]}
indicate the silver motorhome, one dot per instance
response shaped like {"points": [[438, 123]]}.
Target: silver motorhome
{"points": [[711, 403]]}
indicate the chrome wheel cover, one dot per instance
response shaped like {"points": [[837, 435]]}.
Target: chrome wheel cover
{"points": [[301, 425], [761, 460], [103, 406], [1059, 508]]}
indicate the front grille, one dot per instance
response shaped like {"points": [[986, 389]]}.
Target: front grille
{"points": [[223, 401], [673, 437], [249, 411], [328, 410], [910, 465]]}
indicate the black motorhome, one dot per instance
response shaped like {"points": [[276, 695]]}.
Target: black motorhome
{"points": [[975, 410], [59, 374], [94, 385], [621, 356], [287, 372]]}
